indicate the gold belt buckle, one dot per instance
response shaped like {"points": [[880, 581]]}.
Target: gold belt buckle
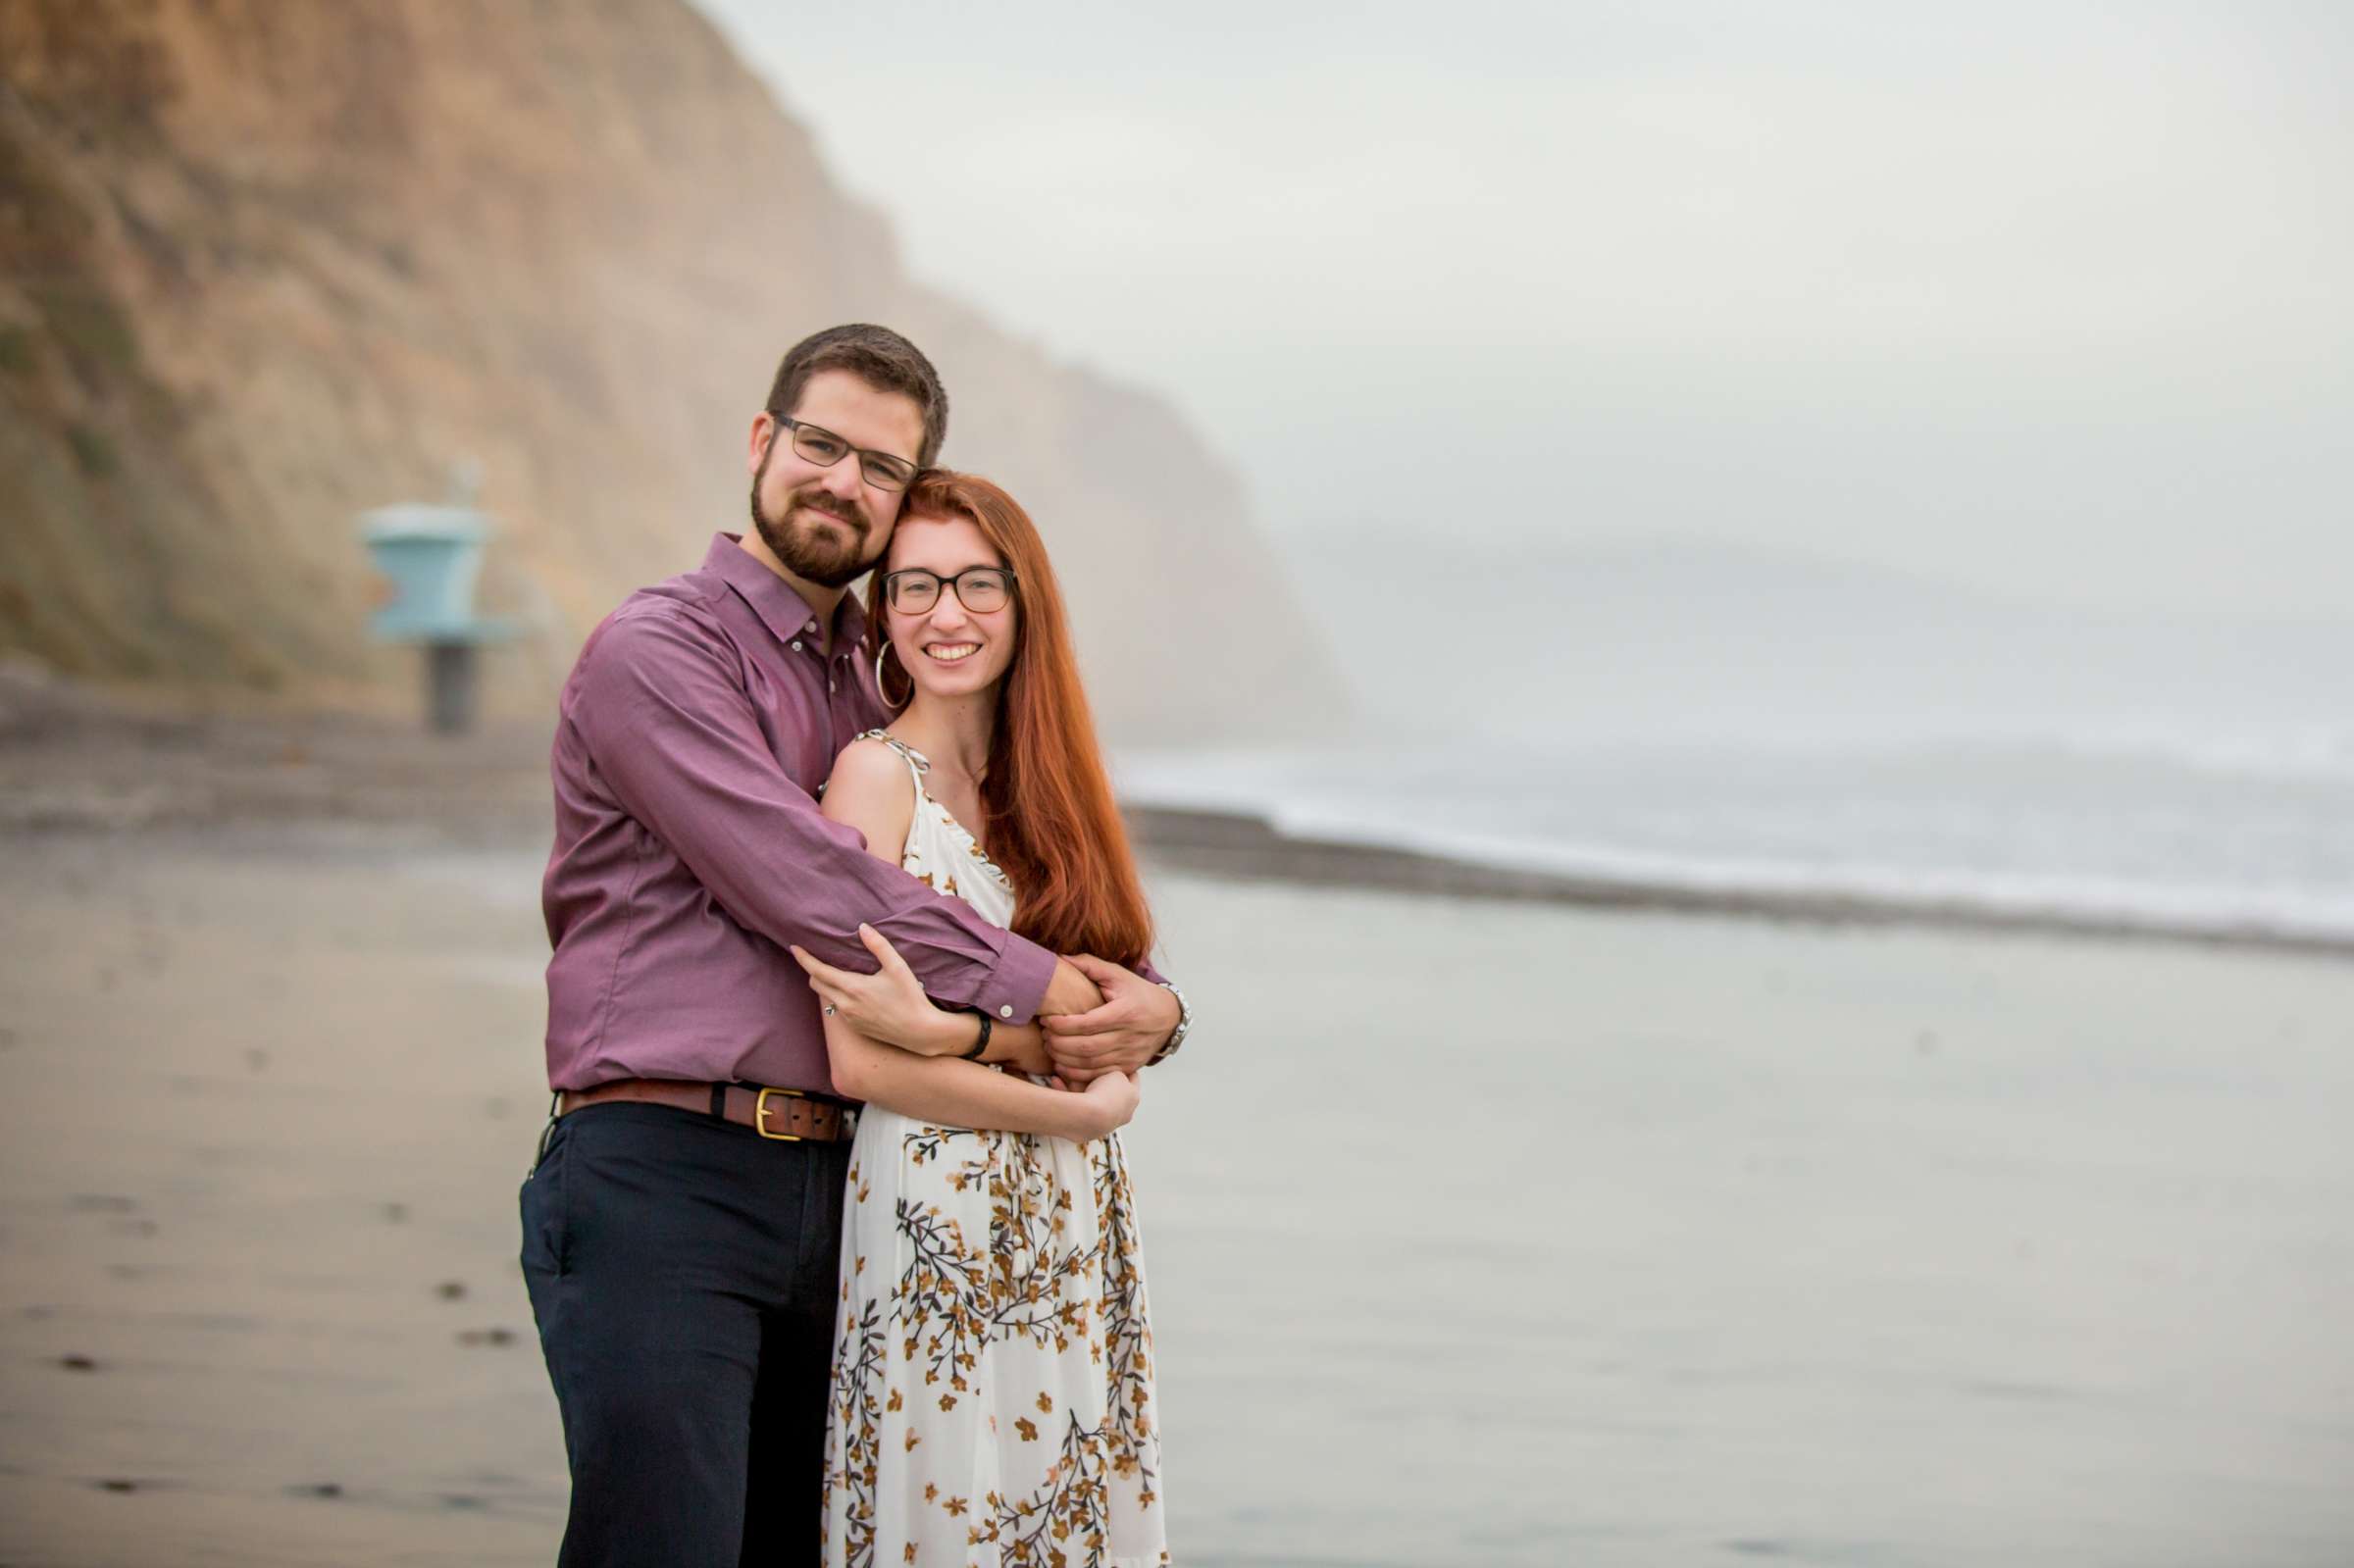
{"points": [[760, 1115]]}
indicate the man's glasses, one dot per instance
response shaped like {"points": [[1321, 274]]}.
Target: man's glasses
{"points": [[979, 589], [825, 448]]}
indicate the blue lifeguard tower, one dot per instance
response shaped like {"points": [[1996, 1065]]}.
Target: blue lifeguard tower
{"points": [[430, 557]]}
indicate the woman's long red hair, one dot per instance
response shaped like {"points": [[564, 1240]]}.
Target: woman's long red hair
{"points": [[1053, 825]]}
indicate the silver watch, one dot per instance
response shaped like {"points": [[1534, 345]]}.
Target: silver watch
{"points": [[1185, 1021]]}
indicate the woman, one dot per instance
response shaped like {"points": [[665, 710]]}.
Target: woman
{"points": [[993, 1379]]}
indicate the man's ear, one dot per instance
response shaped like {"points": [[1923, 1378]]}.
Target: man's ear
{"points": [[764, 427]]}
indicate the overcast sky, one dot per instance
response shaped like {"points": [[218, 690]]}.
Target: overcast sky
{"points": [[2045, 297]]}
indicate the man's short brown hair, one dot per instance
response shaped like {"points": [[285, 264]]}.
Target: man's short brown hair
{"points": [[877, 356]]}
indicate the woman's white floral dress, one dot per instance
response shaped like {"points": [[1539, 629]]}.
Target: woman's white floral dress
{"points": [[993, 1367]]}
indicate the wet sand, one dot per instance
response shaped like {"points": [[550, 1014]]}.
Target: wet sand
{"points": [[1477, 1230], [265, 1115]]}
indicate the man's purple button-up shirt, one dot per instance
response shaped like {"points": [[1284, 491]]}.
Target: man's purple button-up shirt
{"points": [[694, 733]]}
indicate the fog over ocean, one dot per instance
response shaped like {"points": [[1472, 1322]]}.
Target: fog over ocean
{"points": [[1829, 446], [1691, 714]]}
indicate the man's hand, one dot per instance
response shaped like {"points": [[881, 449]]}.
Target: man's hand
{"points": [[888, 1005], [1120, 1035]]}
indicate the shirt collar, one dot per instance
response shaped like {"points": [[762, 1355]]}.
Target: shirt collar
{"points": [[777, 602]]}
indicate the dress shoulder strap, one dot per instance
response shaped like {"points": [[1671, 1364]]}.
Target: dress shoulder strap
{"points": [[917, 763]]}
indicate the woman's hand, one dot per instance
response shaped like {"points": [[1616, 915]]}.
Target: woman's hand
{"points": [[888, 1005], [1107, 1105]]}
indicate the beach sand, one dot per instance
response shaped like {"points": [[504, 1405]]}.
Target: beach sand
{"points": [[1476, 1232]]}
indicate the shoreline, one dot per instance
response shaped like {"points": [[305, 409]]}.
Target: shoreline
{"points": [[1247, 847], [72, 760]]}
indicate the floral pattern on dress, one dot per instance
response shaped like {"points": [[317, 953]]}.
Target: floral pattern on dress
{"points": [[993, 1392]]}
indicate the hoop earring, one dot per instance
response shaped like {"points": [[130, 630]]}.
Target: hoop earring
{"points": [[882, 654]]}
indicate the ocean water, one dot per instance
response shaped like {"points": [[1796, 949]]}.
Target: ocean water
{"points": [[2201, 831]]}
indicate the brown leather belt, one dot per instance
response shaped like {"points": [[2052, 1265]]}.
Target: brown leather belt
{"points": [[787, 1115]]}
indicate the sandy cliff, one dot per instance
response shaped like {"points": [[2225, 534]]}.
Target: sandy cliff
{"points": [[263, 264]]}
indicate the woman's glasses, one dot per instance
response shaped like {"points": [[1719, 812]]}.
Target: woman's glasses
{"points": [[979, 589]]}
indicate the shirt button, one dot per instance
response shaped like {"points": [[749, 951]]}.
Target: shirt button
{"points": [[811, 627], [796, 647], [828, 685], [1005, 1012]]}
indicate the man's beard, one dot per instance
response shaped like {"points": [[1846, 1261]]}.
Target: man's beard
{"points": [[807, 554]]}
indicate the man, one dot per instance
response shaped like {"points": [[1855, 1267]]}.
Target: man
{"points": [[680, 1229]]}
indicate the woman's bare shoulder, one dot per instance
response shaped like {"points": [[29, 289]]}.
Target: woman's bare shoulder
{"points": [[870, 790], [869, 771]]}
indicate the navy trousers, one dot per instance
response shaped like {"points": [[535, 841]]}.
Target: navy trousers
{"points": [[682, 1274]]}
